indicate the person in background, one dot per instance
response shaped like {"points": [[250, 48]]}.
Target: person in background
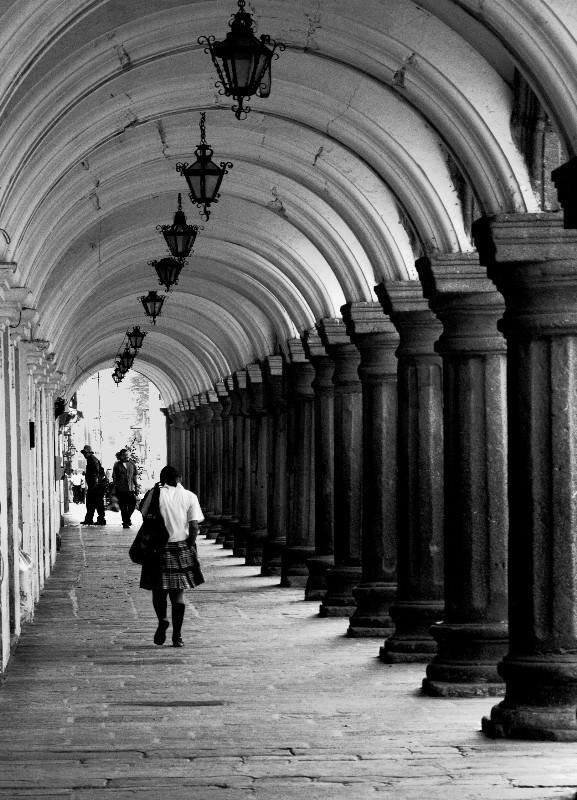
{"points": [[95, 487], [125, 486], [180, 568]]}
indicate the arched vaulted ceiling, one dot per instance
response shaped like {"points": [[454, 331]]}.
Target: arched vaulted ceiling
{"points": [[341, 177]]}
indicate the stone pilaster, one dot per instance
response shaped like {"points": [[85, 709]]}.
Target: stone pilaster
{"points": [[533, 262], [324, 557], [204, 414], [227, 459], [376, 339], [244, 465], [190, 477], [237, 462], [216, 464], [301, 469], [419, 602], [473, 635], [260, 438], [168, 424], [278, 484], [348, 476]]}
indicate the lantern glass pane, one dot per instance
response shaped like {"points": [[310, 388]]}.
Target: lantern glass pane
{"points": [[242, 67]]}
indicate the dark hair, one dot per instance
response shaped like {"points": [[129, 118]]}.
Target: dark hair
{"points": [[169, 475]]}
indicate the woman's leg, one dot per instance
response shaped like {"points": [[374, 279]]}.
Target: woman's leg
{"points": [[159, 603], [178, 606]]}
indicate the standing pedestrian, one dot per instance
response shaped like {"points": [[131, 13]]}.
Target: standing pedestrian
{"points": [[125, 486], [179, 569], [95, 486]]}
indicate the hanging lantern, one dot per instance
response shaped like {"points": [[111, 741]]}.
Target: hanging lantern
{"points": [[204, 176], [168, 270], [127, 358], [135, 337], [242, 61], [152, 304], [116, 378], [179, 236]]}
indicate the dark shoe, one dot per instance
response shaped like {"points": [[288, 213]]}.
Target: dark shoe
{"points": [[87, 522], [126, 526], [177, 642], [160, 635], [100, 522]]}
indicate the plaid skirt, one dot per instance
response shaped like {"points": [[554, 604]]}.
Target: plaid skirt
{"points": [[179, 569]]}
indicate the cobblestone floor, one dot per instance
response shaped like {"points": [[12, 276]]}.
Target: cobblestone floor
{"points": [[267, 701]]}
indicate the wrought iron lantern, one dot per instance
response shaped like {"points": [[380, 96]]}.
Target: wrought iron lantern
{"points": [[180, 236], [168, 270], [152, 304], [135, 337], [242, 61], [204, 176], [127, 358]]}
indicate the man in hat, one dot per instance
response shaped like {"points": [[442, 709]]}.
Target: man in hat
{"points": [[94, 488]]}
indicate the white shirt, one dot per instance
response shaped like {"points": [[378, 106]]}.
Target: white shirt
{"points": [[178, 507]]}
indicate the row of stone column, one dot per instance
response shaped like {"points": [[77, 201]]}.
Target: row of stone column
{"points": [[29, 491], [370, 466]]}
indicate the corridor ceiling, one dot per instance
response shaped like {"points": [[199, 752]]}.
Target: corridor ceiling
{"points": [[341, 178]]}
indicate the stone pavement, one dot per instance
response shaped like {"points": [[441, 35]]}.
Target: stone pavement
{"points": [[266, 701]]}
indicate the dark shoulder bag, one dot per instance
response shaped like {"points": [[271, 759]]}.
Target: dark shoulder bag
{"points": [[151, 539]]}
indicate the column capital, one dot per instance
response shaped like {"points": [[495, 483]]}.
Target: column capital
{"points": [[465, 301], [523, 239], [323, 364], [532, 260], [224, 398], [375, 337], [345, 356], [411, 315]]}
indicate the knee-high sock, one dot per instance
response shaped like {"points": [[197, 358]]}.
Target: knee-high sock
{"points": [[159, 602], [177, 618]]}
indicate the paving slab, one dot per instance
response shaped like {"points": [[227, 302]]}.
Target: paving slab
{"points": [[266, 701]]}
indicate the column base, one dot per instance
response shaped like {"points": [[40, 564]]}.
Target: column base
{"points": [[412, 641], [272, 558], [294, 566], [215, 527], [339, 600], [254, 547], [239, 546], [318, 566], [466, 663], [541, 699], [229, 532], [225, 523], [371, 617]]}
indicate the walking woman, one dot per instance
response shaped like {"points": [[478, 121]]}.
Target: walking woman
{"points": [[179, 569]]}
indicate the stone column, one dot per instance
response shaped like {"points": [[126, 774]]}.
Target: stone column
{"points": [[237, 462], [473, 635], [168, 423], [348, 476], [227, 459], [196, 467], [533, 262], [301, 469], [190, 477], [204, 413], [278, 484], [376, 339], [216, 464], [244, 464], [259, 466], [419, 601], [324, 558]]}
